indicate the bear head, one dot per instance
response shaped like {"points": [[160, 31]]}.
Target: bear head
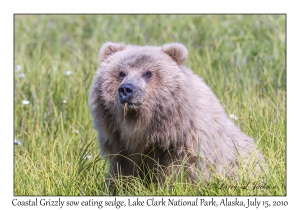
{"points": [[137, 76]]}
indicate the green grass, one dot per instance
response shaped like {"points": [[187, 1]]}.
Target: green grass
{"points": [[241, 57]]}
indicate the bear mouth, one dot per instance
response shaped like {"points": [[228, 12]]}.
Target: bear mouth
{"points": [[130, 106]]}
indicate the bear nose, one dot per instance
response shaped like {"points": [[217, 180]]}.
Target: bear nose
{"points": [[125, 92]]}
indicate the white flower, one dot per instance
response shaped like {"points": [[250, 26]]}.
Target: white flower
{"points": [[75, 131], [87, 157], [233, 116], [64, 101], [25, 102], [21, 75], [68, 73], [17, 142], [19, 68]]}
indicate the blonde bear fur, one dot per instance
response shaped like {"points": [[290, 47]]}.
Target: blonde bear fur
{"points": [[171, 116]]}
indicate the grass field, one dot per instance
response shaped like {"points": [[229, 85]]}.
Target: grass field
{"points": [[241, 57]]}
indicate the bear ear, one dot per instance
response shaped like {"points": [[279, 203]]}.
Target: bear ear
{"points": [[176, 51], [108, 49]]}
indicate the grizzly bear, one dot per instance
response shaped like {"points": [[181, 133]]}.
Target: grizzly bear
{"points": [[152, 113]]}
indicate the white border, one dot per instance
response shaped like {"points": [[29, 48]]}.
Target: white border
{"points": [[6, 38]]}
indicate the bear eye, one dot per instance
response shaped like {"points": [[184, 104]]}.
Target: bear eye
{"points": [[147, 74], [122, 74]]}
